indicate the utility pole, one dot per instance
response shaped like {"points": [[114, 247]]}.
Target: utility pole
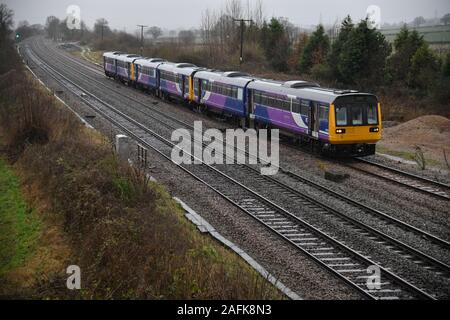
{"points": [[242, 21], [103, 25], [142, 37]]}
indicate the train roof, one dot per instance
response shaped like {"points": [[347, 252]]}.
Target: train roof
{"points": [[230, 77], [112, 54], [126, 57], [302, 89], [180, 68], [149, 62]]}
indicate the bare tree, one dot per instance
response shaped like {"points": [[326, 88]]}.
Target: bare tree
{"points": [[418, 21], [155, 32], [446, 19], [258, 13], [52, 27], [101, 28], [6, 20]]}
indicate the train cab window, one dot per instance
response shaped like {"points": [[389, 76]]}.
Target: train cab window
{"points": [[341, 116], [372, 115], [357, 115]]}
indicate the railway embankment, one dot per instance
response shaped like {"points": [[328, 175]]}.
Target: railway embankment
{"points": [[68, 200]]}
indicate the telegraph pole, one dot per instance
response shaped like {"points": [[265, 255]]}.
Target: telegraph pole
{"points": [[103, 28], [142, 37], [242, 21]]}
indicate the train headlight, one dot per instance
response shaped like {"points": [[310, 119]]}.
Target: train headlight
{"points": [[374, 129], [340, 131]]}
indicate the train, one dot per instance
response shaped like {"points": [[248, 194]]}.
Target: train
{"points": [[331, 121]]}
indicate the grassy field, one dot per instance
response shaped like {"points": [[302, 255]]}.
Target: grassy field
{"points": [[20, 227]]}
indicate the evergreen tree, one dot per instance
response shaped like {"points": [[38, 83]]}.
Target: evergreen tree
{"points": [[424, 70], [406, 44], [275, 41], [362, 60], [446, 70], [336, 49], [315, 51]]}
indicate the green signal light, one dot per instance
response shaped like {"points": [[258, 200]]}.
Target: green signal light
{"points": [[17, 36]]}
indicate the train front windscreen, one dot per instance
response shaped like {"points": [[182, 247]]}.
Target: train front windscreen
{"points": [[356, 111]]}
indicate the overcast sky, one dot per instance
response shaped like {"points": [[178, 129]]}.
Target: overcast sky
{"points": [[175, 14]]}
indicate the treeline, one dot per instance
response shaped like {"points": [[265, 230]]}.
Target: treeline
{"points": [[362, 58]]}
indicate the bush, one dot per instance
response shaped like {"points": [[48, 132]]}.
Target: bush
{"points": [[322, 72]]}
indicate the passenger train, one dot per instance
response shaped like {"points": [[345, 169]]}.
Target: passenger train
{"points": [[336, 122]]}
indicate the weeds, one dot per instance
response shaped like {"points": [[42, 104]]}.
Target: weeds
{"points": [[447, 163], [419, 158]]}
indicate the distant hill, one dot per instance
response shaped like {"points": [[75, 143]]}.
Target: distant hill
{"points": [[435, 35]]}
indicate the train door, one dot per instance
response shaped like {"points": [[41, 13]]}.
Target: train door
{"points": [[181, 83], [314, 120], [199, 93], [136, 72], [250, 109]]}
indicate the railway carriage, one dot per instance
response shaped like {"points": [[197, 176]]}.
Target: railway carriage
{"points": [[109, 63], [125, 67], [332, 121], [147, 73], [222, 92], [175, 80]]}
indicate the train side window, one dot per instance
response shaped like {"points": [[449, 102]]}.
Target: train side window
{"points": [[372, 116], [304, 109], [341, 116], [257, 97], [296, 108], [323, 113], [357, 115]]}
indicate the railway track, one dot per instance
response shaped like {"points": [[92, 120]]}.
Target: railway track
{"points": [[403, 178], [427, 186], [387, 219], [421, 184], [281, 221]]}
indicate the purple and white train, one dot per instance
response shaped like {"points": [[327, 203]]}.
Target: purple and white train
{"points": [[341, 122]]}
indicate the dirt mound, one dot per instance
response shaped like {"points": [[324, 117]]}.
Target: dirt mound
{"points": [[426, 130], [431, 133]]}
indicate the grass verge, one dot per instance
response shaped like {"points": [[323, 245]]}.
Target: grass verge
{"points": [[19, 225], [128, 236]]}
